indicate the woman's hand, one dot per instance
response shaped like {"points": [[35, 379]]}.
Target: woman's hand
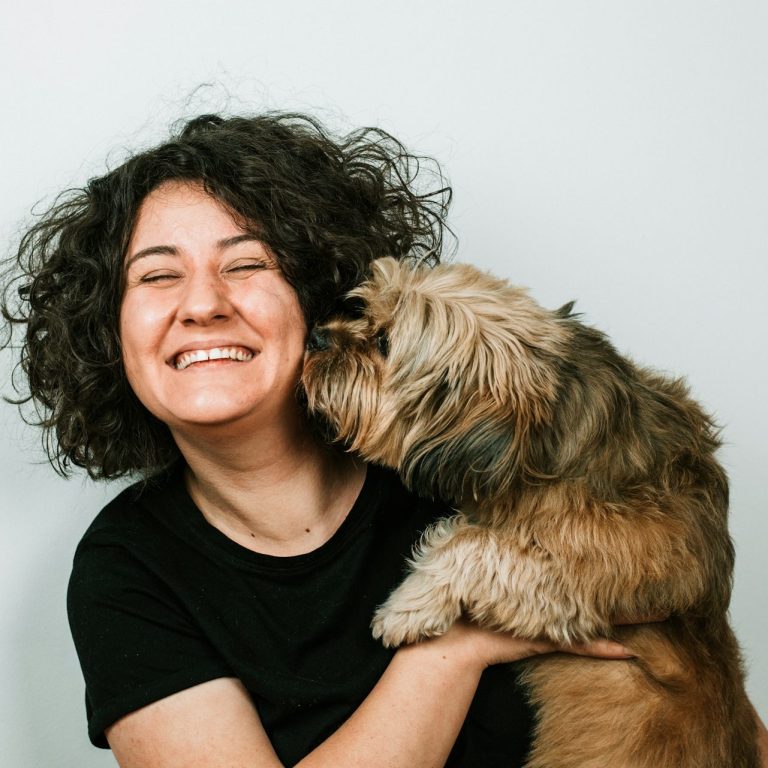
{"points": [[482, 648]]}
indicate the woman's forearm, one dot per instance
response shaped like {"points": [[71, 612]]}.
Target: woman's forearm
{"points": [[412, 716], [416, 710]]}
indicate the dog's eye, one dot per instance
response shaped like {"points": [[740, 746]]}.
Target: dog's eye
{"points": [[353, 307], [382, 343]]}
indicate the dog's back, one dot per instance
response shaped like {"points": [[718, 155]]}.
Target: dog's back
{"points": [[623, 475]]}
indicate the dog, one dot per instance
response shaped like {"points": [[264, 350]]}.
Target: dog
{"points": [[586, 489]]}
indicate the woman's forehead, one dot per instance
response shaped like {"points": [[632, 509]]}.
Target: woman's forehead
{"points": [[181, 211]]}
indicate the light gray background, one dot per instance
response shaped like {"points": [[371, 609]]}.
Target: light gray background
{"points": [[613, 152]]}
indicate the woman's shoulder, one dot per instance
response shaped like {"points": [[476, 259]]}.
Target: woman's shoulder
{"points": [[109, 559], [132, 502], [127, 525]]}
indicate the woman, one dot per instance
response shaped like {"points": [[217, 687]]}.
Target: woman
{"points": [[220, 607]]}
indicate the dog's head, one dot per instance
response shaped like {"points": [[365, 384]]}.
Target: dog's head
{"points": [[438, 373]]}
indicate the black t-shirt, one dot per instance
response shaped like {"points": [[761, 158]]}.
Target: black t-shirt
{"points": [[159, 600]]}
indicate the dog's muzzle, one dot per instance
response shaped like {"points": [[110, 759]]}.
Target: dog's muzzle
{"points": [[319, 340]]}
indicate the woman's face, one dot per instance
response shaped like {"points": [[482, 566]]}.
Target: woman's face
{"points": [[212, 333]]}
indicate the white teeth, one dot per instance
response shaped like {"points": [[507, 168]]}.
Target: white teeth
{"points": [[185, 359]]}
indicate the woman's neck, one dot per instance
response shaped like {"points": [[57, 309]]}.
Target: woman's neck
{"points": [[280, 492]]}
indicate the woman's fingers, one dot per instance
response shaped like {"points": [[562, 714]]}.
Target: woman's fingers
{"points": [[490, 647], [601, 649]]}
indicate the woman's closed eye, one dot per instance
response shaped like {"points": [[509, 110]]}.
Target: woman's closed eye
{"points": [[246, 267], [158, 277]]}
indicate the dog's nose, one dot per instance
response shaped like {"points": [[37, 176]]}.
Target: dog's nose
{"points": [[319, 340]]}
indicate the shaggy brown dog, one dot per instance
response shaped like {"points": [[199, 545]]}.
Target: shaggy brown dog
{"points": [[588, 491]]}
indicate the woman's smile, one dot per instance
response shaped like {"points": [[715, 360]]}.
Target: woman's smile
{"points": [[221, 352]]}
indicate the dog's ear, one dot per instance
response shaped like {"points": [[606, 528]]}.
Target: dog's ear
{"points": [[514, 344], [478, 459]]}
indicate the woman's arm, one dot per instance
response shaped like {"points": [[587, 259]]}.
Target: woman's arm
{"points": [[411, 718]]}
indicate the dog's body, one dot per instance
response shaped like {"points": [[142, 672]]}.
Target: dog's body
{"points": [[589, 492]]}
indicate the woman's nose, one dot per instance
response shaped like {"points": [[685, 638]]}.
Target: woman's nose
{"points": [[203, 301]]}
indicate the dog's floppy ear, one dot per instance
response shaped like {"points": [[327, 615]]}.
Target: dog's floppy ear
{"points": [[479, 458], [514, 345]]}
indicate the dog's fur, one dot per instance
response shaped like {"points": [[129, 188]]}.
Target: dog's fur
{"points": [[588, 491]]}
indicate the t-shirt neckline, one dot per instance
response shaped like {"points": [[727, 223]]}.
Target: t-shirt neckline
{"points": [[190, 518]]}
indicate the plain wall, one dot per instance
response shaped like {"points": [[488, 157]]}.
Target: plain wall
{"points": [[612, 152]]}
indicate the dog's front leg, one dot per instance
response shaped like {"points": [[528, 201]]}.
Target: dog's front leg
{"points": [[454, 569], [460, 568]]}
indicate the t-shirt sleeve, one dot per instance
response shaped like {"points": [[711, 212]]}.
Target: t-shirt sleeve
{"points": [[135, 640]]}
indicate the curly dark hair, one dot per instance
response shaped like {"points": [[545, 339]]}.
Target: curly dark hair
{"points": [[325, 205]]}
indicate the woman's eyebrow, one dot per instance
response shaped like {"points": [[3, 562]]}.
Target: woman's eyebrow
{"points": [[171, 250], [246, 237], [168, 250]]}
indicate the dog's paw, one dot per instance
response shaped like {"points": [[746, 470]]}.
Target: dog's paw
{"points": [[400, 627]]}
